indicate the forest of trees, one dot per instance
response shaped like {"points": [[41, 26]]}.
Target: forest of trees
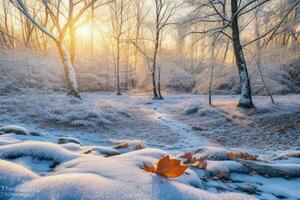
{"points": [[139, 34]]}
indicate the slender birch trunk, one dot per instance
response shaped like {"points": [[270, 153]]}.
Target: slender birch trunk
{"points": [[156, 96], [70, 77]]}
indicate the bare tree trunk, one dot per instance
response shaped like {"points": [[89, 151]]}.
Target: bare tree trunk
{"points": [[156, 96], [118, 68], [212, 70], [158, 85], [226, 51], [258, 55], [246, 95], [70, 78], [72, 43]]}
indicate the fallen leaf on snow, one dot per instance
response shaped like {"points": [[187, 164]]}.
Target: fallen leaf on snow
{"points": [[222, 175], [133, 144], [232, 155], [194, 161], [200, 163], [188, 156], [88, 151], [168, 167]]}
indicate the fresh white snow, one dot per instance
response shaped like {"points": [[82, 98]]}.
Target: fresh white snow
{"points": [[88, 164]]}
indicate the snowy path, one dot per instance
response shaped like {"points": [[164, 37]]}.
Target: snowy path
{"points": [[132, 117], [160, 124], [188, 138]]}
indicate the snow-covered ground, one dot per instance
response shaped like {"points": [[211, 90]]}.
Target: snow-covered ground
{"points": [[84, 165]]}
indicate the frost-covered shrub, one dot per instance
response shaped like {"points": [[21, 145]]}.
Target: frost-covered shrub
{"points": [[225, 80], [181, 80], [23, 68], [279, 68]]}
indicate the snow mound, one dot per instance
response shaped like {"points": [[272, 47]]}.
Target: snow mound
{"points": [[119, 177], [100, 150], [91, 186], [89, 176], [64, 140], [191, 110], [13, 174], [41, 150], [212, 153], [19, 130], [73, 147], [70, 186], [5, 139]]}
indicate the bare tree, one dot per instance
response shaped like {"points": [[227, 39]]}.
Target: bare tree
{"points": [[7, 28], [164, 11], [119, 16], [229, 26], [56, 13], [139, 18]]}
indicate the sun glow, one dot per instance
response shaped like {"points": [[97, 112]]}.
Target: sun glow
{"points": [[84, 32]]}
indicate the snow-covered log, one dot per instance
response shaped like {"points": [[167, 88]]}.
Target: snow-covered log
{"points": [[274, 170], [286, 154]]}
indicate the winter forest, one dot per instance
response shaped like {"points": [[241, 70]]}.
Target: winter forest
{"points": [[149, 99]]}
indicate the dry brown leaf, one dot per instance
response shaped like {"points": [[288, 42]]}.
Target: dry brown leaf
{"points": [[222, 175], [199, 163], [121, 145], [138, 147], [170, 168], [232, 155], [194, 161], [88, 151], [188, 156]]}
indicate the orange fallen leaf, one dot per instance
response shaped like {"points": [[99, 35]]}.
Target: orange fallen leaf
{"points": [[232, 155], [168, 167]]}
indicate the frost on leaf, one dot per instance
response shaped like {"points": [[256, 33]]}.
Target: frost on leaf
{"points": [[168, 167]]}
